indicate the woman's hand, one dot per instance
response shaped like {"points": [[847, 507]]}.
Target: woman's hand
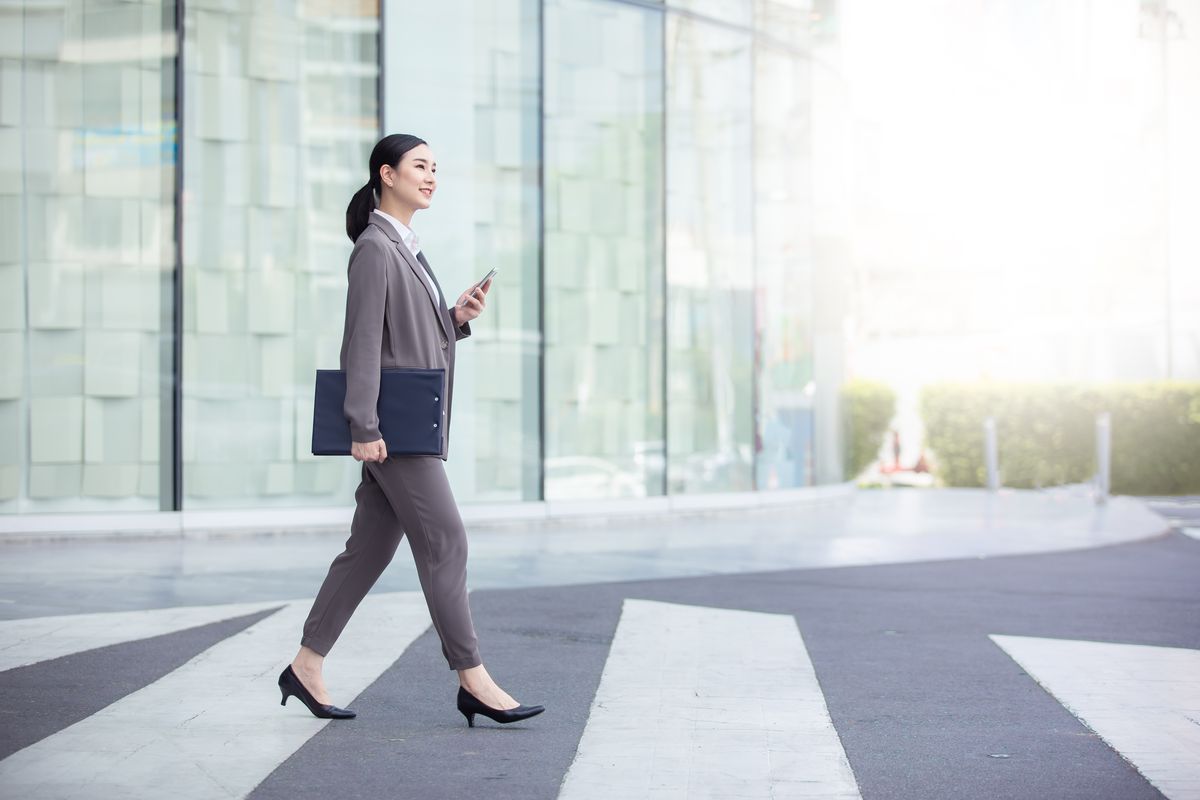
{"points": [[369, 451], [470, 303]]}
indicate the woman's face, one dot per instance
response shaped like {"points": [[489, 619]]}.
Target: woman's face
{"points": [[415, 179]]}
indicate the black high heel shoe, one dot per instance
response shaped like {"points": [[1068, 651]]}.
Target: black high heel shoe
{"points": [[470, 705], [290, 684]]}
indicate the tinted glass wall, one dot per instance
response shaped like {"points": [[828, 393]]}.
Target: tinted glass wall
{"points": [[605, 404], [281, 112], [465, 76], [87, 253], [710, 257], [639, 174], [783, 214]]}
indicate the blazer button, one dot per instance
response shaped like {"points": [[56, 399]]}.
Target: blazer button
{"points": [[443, 344], [435, 424]]}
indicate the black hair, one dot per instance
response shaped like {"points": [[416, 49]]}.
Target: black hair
{"points": [[388, 150]]}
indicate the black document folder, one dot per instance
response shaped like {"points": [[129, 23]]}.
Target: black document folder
{"points": [[411, 400]]}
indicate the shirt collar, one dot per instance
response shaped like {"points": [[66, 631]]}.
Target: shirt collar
{"points": [[407, 234]]}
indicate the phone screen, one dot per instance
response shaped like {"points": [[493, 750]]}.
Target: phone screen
{"points": [[482, 282], [485, 279]]}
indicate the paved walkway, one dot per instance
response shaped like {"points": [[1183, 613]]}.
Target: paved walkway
{"points": [[899, 644], [867, 527]]}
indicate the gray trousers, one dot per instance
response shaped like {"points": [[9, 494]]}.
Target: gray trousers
{"points": [[403, 494]]}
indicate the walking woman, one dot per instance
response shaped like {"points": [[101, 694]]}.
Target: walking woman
{"points": [[396, 316]]}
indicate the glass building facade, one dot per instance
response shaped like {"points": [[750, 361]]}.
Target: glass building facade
{"points": [[173, 184]]}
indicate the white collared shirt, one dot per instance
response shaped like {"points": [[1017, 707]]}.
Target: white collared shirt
{"points": [[409, 237]]}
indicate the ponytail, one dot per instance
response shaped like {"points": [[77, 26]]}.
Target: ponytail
{"points": [[388, 150], [359, 211]]}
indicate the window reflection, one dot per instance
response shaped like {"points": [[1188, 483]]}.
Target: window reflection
{"points": [[710, 258], [672, 263], [478, 109], [782, 226], [281, 114], [603, 274], [87, 161]]}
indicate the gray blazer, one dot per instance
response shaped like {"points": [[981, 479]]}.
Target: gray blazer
{"points": [[393, 319]]}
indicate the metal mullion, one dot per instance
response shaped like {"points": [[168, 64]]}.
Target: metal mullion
{"points": [[541, 246], [666, 287], [175, 445]]}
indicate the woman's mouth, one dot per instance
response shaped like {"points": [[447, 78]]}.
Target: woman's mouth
{"points": [[427, 192]]}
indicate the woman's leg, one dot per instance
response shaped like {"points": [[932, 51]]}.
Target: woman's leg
{"points": [[420, 497], [374, 536]]}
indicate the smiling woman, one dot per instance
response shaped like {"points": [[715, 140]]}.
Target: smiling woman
{"points": [[401, 162], [397, 316]]}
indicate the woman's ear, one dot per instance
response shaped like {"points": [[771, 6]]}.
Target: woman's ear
{"points": [[387, 174]]}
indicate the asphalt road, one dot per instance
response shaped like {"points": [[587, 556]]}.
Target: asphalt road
{"points": [[921, 698], [925, 704]]}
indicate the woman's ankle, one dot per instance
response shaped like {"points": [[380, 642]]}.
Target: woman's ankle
{"points": [[308, 660], [474, 678]]}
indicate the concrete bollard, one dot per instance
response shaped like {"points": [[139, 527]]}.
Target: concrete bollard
{"points": [[1101, 482], [991, 459]]}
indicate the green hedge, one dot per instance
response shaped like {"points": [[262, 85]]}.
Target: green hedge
{"points": [[1046, 433], [867, 408]]}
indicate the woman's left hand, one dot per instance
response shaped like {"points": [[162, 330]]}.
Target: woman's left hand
{"points": [[470, 303]]}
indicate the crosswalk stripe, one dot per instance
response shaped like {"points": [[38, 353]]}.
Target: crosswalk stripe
{"points": [[1144, 701], [718, 701], [213, 728], [28, 641]]}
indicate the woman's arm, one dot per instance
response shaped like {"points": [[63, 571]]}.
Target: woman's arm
{"points": [[366, 298], [461, 330]]}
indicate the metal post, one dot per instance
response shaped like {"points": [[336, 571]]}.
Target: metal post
{"points": [[1103, 456], [990, 456]]}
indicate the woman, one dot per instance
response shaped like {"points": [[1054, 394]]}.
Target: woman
{"points": [[396, 316]]}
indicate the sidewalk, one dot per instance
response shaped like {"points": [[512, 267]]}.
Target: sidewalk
{"points": [[868, 527], [897, 644]]}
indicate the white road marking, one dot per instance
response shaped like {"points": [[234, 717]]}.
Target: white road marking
{"points": [[213, 728], [28, 641], [1143, 701], [708, 702]]}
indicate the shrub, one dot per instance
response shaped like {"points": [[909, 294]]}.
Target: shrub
{"points": [[1046, 433], [867, 408]]}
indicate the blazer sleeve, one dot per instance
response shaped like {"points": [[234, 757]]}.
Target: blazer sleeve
{"points": [[366, 299], [462, 331]]}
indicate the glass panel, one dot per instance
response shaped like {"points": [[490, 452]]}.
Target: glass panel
{"points": [[281, 114], [604, 257], [463, 75], [783, 241], [710, 258], [87, 179]]}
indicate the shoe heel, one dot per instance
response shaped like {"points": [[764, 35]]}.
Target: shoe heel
{"points": [[290, 685], [470, 705]]}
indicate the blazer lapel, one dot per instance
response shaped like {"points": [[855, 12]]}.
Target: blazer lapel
{"points": [[443, 312], [417, 269]]}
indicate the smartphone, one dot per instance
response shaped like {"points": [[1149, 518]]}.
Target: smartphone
{"points": [[482, 282]]}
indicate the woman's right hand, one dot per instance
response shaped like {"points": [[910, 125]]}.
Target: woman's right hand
{"points": [[369, 451]]}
